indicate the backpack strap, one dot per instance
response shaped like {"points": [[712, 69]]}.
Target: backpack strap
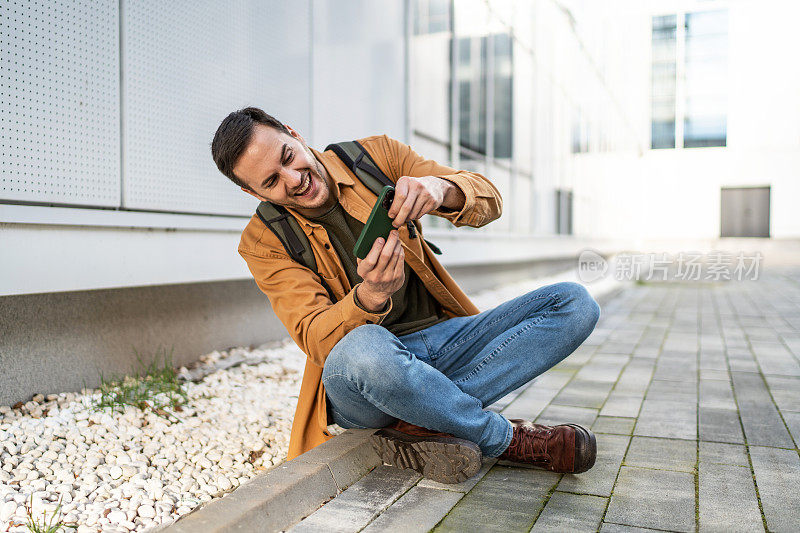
{"points": [[293, 238], [357, 159]]}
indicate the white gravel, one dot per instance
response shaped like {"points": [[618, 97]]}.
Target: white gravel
{"points": [[134, 471]]}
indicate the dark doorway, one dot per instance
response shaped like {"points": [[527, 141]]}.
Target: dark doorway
{"points": [[744, 212]]}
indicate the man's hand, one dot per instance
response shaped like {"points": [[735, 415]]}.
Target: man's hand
{"points": [[382, 271], [414, 197]]}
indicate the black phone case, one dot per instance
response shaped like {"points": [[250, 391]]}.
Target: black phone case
{"points": [[378, 224]]}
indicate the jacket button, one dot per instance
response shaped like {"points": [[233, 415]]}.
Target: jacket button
{"points": [[327, 245]]}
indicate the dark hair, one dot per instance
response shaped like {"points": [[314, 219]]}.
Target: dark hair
{"points": [[233, 136]]}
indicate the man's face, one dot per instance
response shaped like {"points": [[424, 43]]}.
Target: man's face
{"points": [[278, 166]]}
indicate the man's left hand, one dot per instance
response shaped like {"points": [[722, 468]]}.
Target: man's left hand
{"points": [[414, 197]]}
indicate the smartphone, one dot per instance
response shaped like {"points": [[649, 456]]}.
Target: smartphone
{"points": [[378, 224]]}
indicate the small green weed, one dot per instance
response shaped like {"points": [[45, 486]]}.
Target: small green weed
{"points": [[151, 386], [53, 525]]}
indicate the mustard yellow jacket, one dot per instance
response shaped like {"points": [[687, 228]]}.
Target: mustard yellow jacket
{"points": [[301, 302]]}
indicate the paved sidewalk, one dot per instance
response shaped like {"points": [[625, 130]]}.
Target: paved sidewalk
{"points": [[693, 390]]}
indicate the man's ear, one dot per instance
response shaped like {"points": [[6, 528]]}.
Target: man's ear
{"points": [[295, 134]]}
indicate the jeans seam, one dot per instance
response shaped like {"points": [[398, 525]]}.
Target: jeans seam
{"points": [[431, 356], [475, 332], [502, 345]]}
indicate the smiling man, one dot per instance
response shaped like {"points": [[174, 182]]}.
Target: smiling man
{"points": [[402, 347]]}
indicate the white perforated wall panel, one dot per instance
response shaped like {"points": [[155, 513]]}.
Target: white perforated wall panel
{"points": [[359, 69], [186, 66], [59, 102]]}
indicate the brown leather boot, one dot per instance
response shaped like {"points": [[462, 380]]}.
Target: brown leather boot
{"points": [[565, 448], [437, 456]]}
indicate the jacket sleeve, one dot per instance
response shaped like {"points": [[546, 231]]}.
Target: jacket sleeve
{"points": [[302, 304], [483, 201]]}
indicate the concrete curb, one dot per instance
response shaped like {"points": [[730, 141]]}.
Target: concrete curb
{"points": [[283, 496]]}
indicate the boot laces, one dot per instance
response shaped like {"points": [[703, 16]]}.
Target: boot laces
{"points": [[533, 443]]}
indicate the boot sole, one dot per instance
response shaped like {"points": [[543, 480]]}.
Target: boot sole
{"points": [[443, 459]]}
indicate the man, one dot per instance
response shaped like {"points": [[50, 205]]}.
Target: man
{"points": [[402, 348]]}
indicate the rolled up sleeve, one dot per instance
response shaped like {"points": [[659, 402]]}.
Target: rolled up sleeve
{"points": [[483, 202]]}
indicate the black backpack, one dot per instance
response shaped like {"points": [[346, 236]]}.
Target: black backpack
{"points": [[278, 219]]}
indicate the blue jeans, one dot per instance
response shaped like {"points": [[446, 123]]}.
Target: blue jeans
{"points": [[442, 377]]}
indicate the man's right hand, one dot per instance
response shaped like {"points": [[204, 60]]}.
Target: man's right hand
{"points": [[382, 271]]}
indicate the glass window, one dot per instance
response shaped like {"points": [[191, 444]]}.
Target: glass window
{"points": [[503, 95], [705, 119], [431, 16], [663, 81], [471, 76], [430, 70]]}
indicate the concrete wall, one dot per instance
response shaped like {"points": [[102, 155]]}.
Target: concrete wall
{"points": [[56, 342]]}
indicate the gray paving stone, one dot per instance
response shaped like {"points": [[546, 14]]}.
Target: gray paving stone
{"points": [[571, 512], [490, 507], [777, 473], [669, 419], [666, 454], [782, 383], [619, 528], [727, 497], [793, 422], [680, 371], [618, 347], [720, 425], [742, 364], [635, 378], [713, 362], [578, 358], [562, 414], [763, 425], [579, 393], [724, 454], [683, 391], [787, 400], [599, 372], [658, 499], [530, 403], [354, 508], [419, 509], [610, 359], [614, 425], [553, 379], [775, 358], [623, 405], [647, 352], [716, 394], [599, 480], [721, 374]]}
